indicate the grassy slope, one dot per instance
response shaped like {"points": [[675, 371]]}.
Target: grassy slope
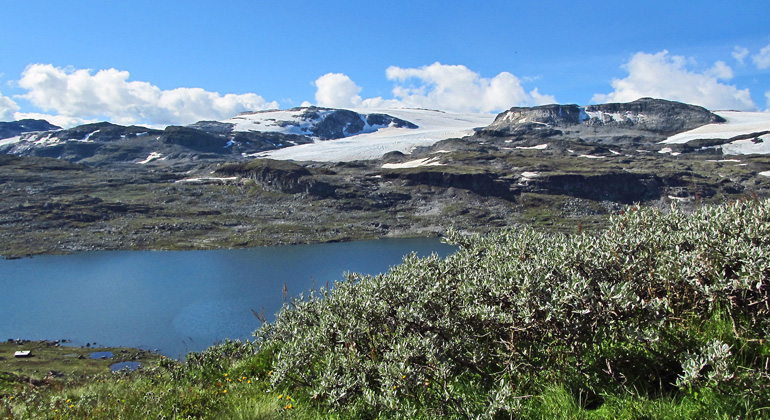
{"points": [[63, 360], [663, 315]]}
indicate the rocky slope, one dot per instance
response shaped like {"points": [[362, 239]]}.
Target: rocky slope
{"points": [[549, 166]]}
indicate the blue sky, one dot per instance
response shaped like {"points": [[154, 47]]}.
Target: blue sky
{"points": [[173, 62]]}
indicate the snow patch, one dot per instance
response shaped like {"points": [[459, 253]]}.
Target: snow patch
{"points": [[748, 146], [151, 157], [538, 147], [10, 140], [675, 198], [288, 121], [430, 161], [669, 151], [738, 123], [765, 173], [433, 126], [87, 138], [612, 116], [207, 179]]}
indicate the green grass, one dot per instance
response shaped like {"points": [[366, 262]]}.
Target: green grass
{"points": [[65, 360], [661, 315]]}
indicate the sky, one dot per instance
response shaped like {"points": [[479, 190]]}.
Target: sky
{"points": [[161, 63]]}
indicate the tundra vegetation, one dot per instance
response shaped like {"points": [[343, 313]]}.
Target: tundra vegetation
{"points": [[662, 314]]}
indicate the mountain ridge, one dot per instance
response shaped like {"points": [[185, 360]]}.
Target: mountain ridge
{"points": [[315, 133], [207, 140], [645, 119]]}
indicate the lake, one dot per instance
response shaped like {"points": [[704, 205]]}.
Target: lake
{"points": [[176, 301]]}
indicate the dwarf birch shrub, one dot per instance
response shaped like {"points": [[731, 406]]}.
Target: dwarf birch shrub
{"points": [[513, 313]]}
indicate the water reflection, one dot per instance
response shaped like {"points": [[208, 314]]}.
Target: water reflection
{"points": [[175, 302]]}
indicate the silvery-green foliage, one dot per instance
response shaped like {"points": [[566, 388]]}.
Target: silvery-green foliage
{"points": [[710, 365], [472, 334]]}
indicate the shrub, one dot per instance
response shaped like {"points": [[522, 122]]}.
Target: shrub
{"points": [[658, 304]]}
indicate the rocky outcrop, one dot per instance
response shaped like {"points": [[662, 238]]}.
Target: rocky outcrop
{"points": [[619, 187], [654, 115], [249, 141], [193, 139], [342, 123], [643, 118], [485, 184], [278, 176]]}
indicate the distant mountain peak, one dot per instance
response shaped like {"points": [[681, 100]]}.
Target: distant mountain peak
{"points": [[646, 117], [16, 128]]}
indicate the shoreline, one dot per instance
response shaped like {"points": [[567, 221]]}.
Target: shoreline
{"points": [[50, 359], [188, 247]]}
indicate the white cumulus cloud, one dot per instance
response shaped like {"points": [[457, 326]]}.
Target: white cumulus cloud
{"points": [[667, 76], [59, 120], [740, 53], [337, 90], [720, 71], [437, 86], [458, 88], [109, 94], [762, 59], [8, 108]]}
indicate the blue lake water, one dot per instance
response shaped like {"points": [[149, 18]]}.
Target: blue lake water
{"points": [[176, 301]]}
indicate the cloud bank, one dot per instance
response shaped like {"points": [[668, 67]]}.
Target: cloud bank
{"points": [[108, 94], [437, 86], [667, 76]]}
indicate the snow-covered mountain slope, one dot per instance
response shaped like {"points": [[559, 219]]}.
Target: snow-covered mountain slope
{"points": [[241, 136], [432, 126], [310, 133], [311, 122], [744, 133]]}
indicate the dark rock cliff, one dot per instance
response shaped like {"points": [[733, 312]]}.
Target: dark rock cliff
{"points": [[617, 186], [279, 176], [193, 139]]}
